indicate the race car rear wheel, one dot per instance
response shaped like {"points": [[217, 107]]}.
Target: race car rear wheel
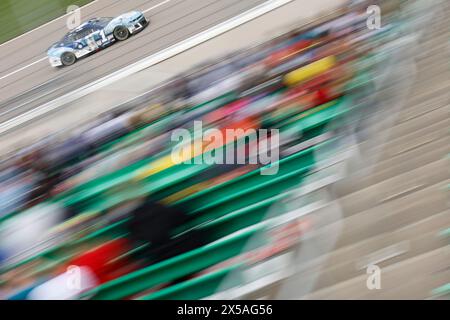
{"points": [[121, 33], [68, 58]]}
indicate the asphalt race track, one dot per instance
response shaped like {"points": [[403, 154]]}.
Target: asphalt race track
{"points": [[27, 80]]}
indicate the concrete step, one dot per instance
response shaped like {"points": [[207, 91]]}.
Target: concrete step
{"points": [[384, 249], [420, 109], [428, 89], [406, 143], [417, 288], [392, 215], [402, 163], [403, 184], [393, 277]]}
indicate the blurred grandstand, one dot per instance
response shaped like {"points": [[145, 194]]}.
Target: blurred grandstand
{"points": [[354, 186]]}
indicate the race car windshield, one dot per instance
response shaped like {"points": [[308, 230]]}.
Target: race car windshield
{"points": [[72, 36], [103, 21], [77, 35]]}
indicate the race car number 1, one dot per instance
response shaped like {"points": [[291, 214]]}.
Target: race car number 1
{"points": [[92, 43], [104, 38]]}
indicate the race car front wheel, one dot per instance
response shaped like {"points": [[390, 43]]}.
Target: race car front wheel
{"points": [[68, 58], [121, 33]]}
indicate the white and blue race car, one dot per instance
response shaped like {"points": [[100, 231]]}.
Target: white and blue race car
{"points": [[94, 35]]}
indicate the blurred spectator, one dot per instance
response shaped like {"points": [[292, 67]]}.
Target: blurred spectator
{"points": [[153, 224]]}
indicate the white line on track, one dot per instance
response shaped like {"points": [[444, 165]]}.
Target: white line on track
{"points": [[12, 109], [156, 6], [23, 68], [45, 58], [151, 60]]}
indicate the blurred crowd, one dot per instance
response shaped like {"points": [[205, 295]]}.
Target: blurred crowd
{"points": [[108, 198]]}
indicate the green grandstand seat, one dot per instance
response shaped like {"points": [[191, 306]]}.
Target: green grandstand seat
{"points": [[100, 185], [445, 233], [285, 179], [176, 267], [197, 288], [442, 291]]}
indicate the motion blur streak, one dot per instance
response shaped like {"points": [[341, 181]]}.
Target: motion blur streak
{"points": [[357, 208]]}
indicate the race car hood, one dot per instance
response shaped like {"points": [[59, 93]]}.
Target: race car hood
{"points": [[124, 19], [62, 44], [59, 47], [129, 16]]}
